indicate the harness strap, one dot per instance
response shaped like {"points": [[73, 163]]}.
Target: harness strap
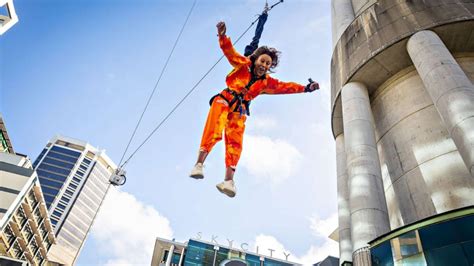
{"points": [[238, 98]]}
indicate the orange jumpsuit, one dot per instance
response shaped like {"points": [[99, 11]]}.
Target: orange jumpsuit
{"points": [[222, 117]]}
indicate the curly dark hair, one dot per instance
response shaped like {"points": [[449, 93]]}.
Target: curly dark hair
{"points": [[272, 52]]}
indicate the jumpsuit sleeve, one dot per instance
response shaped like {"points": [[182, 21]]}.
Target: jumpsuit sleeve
{"points": [[235, 59], [274, 86], [249, 49]]}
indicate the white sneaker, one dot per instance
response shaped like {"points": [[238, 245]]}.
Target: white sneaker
{"points": [[227, 187], [197, 172]]}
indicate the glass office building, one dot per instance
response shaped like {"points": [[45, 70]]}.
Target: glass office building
{"points": [[74, 178], [446, 239], [199, 253]]}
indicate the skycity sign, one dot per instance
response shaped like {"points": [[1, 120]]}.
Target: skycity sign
{"points": [[244, 246]]}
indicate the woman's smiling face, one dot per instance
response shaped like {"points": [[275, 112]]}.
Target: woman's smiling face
{"points": [[262, 65]]}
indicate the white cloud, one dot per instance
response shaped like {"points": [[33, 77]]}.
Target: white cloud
{"points": [[323, 228], [127, 226], [325, 91], [266, 243], [269, 160], [320, 252], [262, 123], [315, 253]]}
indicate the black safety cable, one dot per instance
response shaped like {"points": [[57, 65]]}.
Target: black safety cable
{"points": [[158, 81], [190, 91]]}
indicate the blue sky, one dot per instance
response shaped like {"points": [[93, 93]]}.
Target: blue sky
{"points": [[84, 69]]}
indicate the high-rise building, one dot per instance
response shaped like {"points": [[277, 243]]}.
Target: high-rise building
{"points": [[26, 233], [197, 252], [74, 177], [403, 119], [25, 229]]}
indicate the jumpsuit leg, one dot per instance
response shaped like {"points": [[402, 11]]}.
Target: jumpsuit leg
{"points": [[216, 121], [234, 136]]}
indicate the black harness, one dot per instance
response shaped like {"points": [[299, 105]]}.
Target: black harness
{"points": [[238, 98]]}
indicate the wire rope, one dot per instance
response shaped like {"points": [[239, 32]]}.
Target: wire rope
{"points": [[158, 81], [189, 93]]}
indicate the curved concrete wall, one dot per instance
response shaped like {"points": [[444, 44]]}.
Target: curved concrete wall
{"points": [[422, 170], [360, 5], [373, 47], [422, 161]]}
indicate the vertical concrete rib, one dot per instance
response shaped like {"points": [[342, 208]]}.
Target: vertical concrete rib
{"points": [[169, 259], [345, 242], [368, 208], [450, 89], [342, 15]]}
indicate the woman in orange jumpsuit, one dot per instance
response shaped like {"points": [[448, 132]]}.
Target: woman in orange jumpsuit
{"points": [[230, 108]]}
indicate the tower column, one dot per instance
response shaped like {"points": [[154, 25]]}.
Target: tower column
{"points": [[345, 242], [450, 89], [368, 209], [342, 15]]}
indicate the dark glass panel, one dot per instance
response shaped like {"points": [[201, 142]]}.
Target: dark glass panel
{"points": [[199, 253], [452, 255], [221, 255], [468, 248], [51, 183], [252, 260], [53, 161], [62, 157], [38, 159], [49, 199], [270, 262], [447, 233], [50, 175], [175, 259], [54, 169], [382, 254], [66, 151], [52, 191], [65, 199]]}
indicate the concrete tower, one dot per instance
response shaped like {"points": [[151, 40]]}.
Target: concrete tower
{"points": [[403, 121]]}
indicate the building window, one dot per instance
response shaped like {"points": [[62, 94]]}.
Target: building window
{"points": [[450, 242], [199, 254], [62, 157], [38, 159], [21, 217], [58, 163], [52, 176], [3, 143], [66, 151], [9, 234]]}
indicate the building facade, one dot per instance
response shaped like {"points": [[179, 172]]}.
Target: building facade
{"points": [[403, 120], [5, 143], [26, 233], [74, 177], [198, 252]]}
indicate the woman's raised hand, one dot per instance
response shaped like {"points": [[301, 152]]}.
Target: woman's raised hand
{"points": [[221, 28]]}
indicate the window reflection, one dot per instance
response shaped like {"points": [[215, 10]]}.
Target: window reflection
{"points": [[450, 242]]}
